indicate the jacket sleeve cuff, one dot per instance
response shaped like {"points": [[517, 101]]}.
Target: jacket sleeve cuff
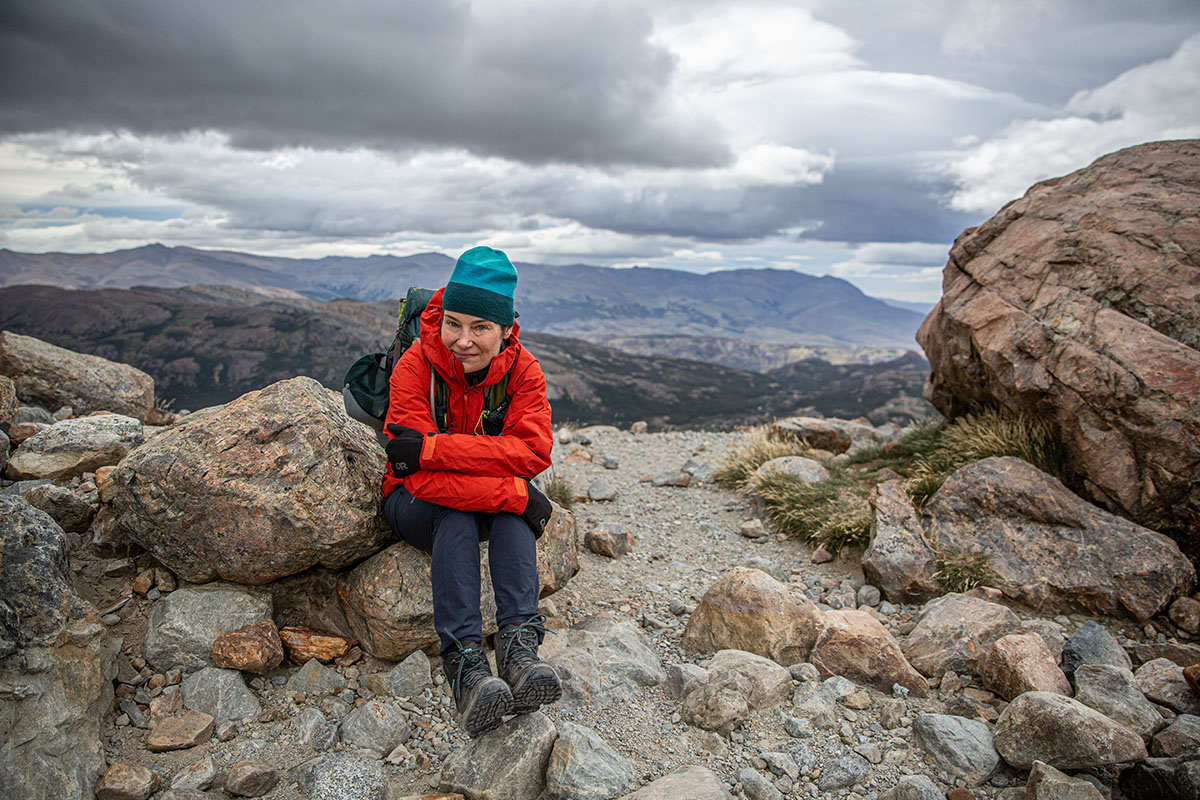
{"points": [[427, 447]]}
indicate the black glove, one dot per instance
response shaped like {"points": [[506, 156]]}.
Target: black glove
{"points": [[404, 450], [537, 509]]}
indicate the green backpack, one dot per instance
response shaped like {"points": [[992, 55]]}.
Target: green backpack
{"points": [[366, 387]]}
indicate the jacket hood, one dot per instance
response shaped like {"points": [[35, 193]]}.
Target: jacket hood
{"points": [[444, 362]]}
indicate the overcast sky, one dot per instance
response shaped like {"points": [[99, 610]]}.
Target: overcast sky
{"points": [[854, 138]]}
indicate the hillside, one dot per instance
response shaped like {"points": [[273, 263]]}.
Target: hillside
{"points": [[778, 307], [207, 345]]}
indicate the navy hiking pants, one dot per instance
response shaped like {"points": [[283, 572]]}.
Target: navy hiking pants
{"points": [[452, 537]]}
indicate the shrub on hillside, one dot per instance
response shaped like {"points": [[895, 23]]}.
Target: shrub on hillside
{"points": [[984, 435], [832, 513], [558, 489], [739, 466]]}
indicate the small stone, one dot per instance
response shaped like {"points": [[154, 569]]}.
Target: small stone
{"points": [[226, 731], [601, 490], [303, 644], [164, 581], [252, 648], [753, 529], [144, 582], [1185, 613], [197, 775], [858, 700], [821, 556], [124, 781], [869, 595], [610, 541], [250, 779], [180, 733]]}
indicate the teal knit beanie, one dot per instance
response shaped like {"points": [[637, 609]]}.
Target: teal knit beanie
{"points": [[482, 285]]}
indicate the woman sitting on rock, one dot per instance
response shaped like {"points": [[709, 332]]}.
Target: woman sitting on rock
{"points": [[450, 485]]}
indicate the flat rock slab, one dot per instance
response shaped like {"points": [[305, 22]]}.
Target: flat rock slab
{"points": [[694, 783], [507, 763], [180, 733], [582, 766], [963, 747]]}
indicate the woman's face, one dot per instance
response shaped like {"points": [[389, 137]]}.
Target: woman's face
{"points": [[473, 341]]}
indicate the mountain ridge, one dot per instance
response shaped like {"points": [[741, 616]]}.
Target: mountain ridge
{"points": [[206, 345], [767, 306]]}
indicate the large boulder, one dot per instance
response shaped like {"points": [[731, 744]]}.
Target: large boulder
{"points": [[268, 485], [747, 609], [56, 665], [1077, 304], [1049, 549], [899, 560], [388, 598], [54, 377], [75, 446]]}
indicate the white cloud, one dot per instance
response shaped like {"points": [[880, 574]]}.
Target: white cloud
{"points": [[751, 42], [1159, 100]]}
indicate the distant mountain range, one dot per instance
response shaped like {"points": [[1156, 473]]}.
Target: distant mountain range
{"points": [[208, 344], [653, 311]]}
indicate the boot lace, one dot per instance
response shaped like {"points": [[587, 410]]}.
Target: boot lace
{"points": [[521, 642], [472, 667]]}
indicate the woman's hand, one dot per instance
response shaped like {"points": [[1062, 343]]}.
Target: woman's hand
{"points": [[404, 449], [537, 509]]}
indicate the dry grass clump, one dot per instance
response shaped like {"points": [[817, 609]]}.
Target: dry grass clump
{"points": [[558, 489], [742, 461], [832, 513], [963, 570], [983, 435]]}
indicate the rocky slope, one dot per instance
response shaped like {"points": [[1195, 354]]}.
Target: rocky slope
{"points": [[702, 655]]}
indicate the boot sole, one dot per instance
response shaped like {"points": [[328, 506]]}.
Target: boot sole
{"points": [[487, 709], [537, 688]]}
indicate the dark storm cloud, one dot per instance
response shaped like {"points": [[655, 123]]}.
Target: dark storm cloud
{"points": [[871, 204], [854, 203], [1043, 52], [534, 82]]}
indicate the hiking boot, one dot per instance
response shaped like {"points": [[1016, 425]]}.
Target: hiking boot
{"points": [[482, 699], [533, 681]]}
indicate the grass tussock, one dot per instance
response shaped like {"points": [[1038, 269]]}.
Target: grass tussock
{"points": [[983, 435], [741, 463], [833, 513], [559, 490], [963, 570]]}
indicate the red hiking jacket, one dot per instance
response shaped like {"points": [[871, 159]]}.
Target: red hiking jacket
{"points": [[466, 469]]}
